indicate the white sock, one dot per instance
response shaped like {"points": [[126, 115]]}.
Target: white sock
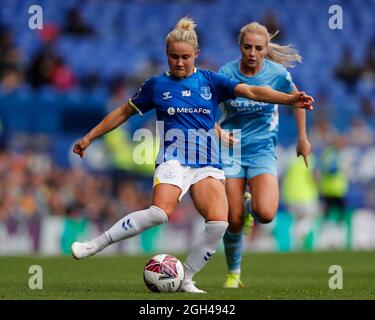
{"points": [[204, 247], [131, 225], [101, 242]]}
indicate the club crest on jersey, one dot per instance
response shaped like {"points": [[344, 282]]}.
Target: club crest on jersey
{"points": [[206, 93]]}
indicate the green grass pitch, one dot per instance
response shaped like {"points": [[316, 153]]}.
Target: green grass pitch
{"points": [[266, 276]]}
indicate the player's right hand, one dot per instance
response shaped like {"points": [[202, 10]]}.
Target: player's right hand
{"points": [[227, 138], [303, 149], [80, 147]]}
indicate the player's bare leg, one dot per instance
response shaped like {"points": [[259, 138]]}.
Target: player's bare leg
{"points": [[264, 190]]}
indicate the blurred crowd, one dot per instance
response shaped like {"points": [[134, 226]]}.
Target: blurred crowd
{"points": [[46, 67], [351, 72], [31, 185], [358, 132]]}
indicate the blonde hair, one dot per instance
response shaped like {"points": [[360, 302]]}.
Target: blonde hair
{"points": [[184, 31], [285, 55]]}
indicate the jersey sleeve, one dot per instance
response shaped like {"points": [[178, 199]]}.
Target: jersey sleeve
{"points": [[222, 70], [223, 86], [142, 101], [286, 82]]}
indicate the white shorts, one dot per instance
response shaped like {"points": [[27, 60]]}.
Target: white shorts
{"points": [[172, 172]]}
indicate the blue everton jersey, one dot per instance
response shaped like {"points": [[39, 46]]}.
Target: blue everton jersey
{"points": [[258, 121], [186, 110]]}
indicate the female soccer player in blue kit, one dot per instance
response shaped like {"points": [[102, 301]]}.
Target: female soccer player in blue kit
{"points": [[262, 64], [185, 98]]}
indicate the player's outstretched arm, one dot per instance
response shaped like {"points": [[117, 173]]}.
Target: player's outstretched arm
{"points": [[266, 94], [111, 121]]}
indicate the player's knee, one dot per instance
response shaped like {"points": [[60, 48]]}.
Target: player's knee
{"points": [[216, 216], [265, 215], [265, 219], [167, 206], [217, 212], [235, 223]]}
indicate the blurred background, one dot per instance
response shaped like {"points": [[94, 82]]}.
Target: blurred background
{"points": [[91, 55]]}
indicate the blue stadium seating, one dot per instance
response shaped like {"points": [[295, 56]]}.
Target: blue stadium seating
{"points": [[130, 33]]}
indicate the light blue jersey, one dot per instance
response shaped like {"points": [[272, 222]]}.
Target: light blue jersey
{"points": [[258, 121], [186, 109]]}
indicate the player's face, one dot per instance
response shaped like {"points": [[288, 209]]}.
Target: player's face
{"points": [[181, 58], [253, 49]]}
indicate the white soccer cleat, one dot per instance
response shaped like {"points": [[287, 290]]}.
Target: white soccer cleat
{"points": [[189, 286], [83, 249]]}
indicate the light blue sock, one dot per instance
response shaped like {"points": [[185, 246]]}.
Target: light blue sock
{"points": [[233, 251]]}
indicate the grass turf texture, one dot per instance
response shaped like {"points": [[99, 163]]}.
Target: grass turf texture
{"points": [[266, 276]]}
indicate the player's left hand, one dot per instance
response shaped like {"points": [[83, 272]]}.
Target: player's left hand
{"points": [[302, 100], [303, 149]]}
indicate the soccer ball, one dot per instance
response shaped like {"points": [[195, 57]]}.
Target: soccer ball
{"points": [[163, 273]]}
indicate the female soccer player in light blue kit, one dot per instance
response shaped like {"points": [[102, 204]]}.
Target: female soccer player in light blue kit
{"points": [[185, 99], [262, 64]]}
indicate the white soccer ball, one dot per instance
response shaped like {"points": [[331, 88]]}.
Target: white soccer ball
{"points": [[163, 273]]}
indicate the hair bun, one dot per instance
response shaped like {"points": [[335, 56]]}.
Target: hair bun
{"points": [[184, 31], [186, 23]]}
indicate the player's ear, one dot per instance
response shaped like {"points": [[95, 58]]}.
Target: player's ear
{"points": [[167, 49], [197, 53]]}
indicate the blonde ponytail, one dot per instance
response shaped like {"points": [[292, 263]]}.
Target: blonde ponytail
{"points": [[184, 31], [285, 55]]}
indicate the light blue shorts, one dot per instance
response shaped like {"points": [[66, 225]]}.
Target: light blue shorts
{"points": [[250, 168]]}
